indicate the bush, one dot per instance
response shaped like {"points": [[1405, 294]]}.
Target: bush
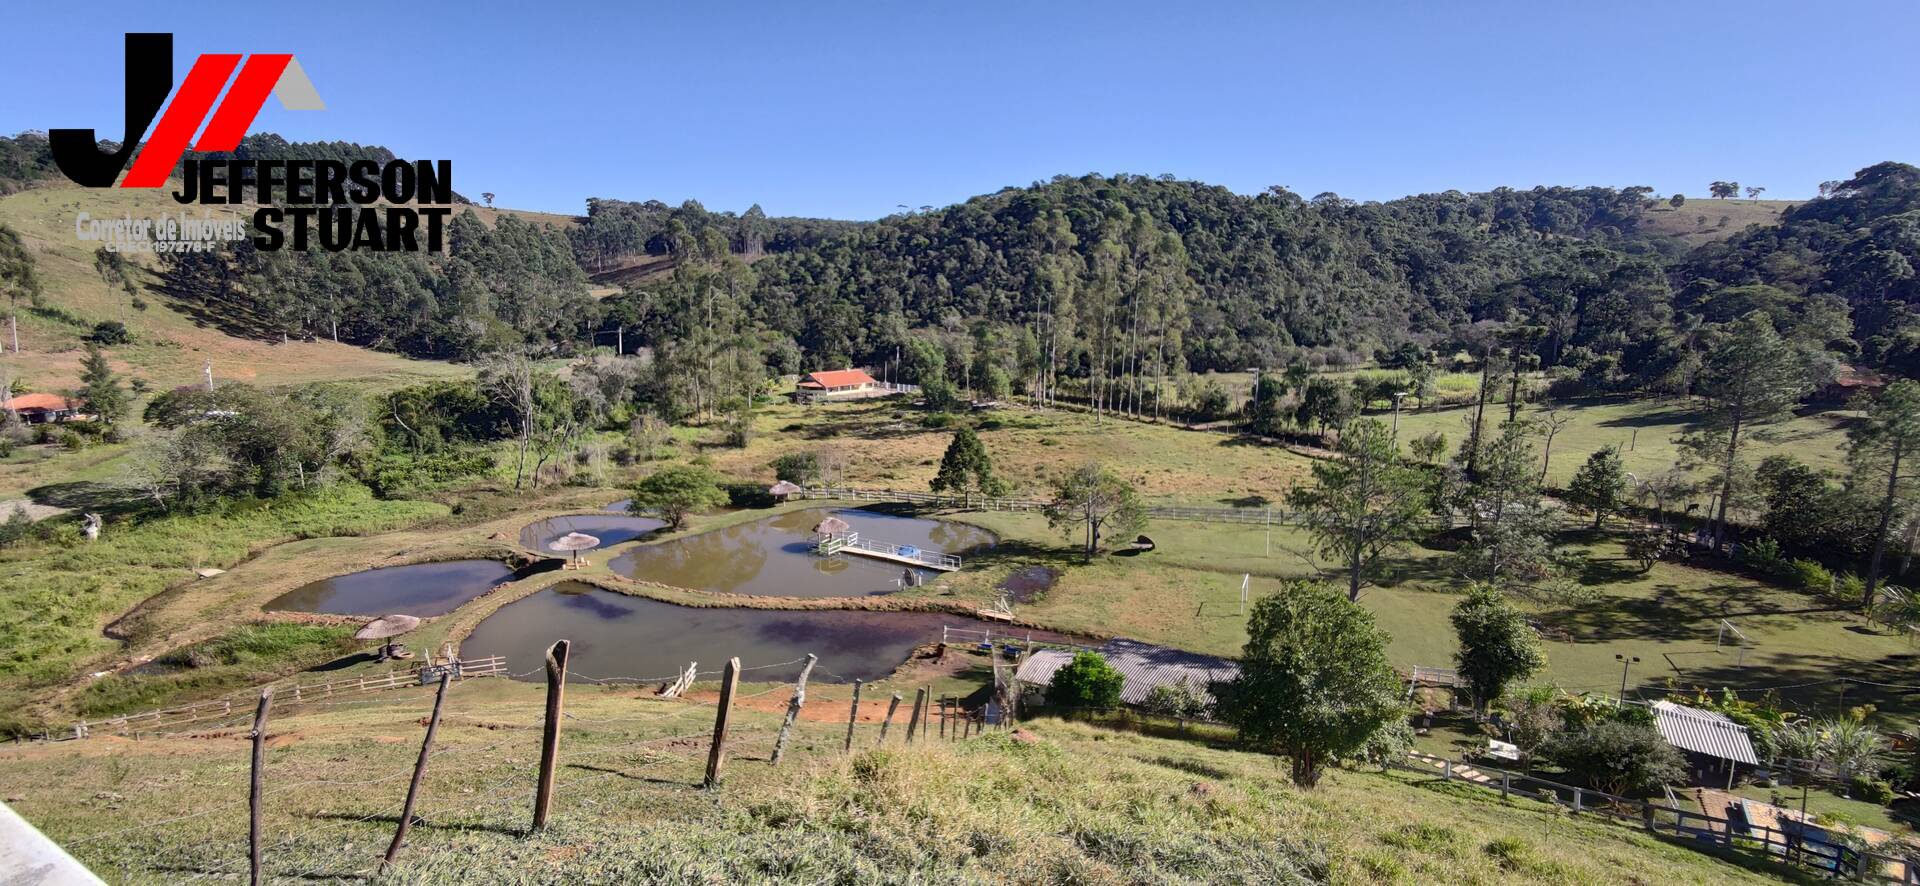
{"points": [[1809, 575], [1180, 701], [72, 442], [1763, 555], [797, 467], [111, 332], [17, 527], [1848, 586], [1618, 755], [1872, 790], [1086, 682]]}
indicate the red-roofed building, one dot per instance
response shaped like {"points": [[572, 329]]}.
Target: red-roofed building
{"points": [[838, 384], [35, 409]]}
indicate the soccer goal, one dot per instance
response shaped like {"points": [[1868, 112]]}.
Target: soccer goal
{"points": [[1728, 635]]}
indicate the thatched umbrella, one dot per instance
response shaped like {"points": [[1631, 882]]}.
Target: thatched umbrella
{"points": [[575, 542], [384, 627], [784, 488], [832, 526]]}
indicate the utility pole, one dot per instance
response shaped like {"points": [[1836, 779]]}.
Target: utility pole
{"points": [[1626, 661]]}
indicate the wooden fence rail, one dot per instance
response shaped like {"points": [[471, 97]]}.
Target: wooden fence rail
{"points": [[1801, 847], [174, 719]]}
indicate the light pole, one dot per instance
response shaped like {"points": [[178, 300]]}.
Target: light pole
{"points": [[1626, 661], [1397, 395]]}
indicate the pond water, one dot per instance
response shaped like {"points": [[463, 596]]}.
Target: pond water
{"points": [[422, 589], [610, 529], [774, 556], [615, 635]]}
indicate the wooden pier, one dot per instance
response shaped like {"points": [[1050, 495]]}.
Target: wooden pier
{"points": [[852, 543]]}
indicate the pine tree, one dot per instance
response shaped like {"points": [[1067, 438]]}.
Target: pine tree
{"points": [[1883, 451], [1600, 485], [966, 467], [100, 390]]}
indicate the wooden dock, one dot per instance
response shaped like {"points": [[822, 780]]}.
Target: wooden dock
{"points": [[852, 543]]}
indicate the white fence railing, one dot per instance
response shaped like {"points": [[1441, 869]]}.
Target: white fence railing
{"points": [[836, 543]]}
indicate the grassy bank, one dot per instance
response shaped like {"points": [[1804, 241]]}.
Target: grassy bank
{"points": [[1072, 803], [55, 597]]}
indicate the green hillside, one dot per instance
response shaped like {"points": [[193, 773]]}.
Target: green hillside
{"points": [[1057, 803]]}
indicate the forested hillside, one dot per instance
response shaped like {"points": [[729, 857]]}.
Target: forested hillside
{"points": [[1108, 283]]}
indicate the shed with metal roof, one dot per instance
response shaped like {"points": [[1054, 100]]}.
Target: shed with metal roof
{"points": [[1703, 732], [1144, 666]]}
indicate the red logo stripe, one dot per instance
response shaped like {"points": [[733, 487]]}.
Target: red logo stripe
{"points": [[177, 125], [243, 102]]}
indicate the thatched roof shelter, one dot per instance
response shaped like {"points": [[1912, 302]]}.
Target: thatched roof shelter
{"points": [[574, 541], [386, 626], [832, 526], [784, 488]]}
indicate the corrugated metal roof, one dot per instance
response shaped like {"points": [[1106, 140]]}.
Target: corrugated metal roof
{"points": [[1703, 732], [1144, 666]]}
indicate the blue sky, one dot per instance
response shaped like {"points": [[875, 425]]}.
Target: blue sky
{"points": [[850, 109]]}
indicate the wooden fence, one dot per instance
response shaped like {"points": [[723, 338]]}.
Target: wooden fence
{"points": [[1811, 848], [955, 722], [969, 502], [204, 713]]}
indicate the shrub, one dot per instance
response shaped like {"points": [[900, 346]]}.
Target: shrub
{"points": [[1848, 586], [1763, 555], [1180, 701], [1086, 682], [72, 442], [1872, 790], [17, 527], [797, 467], [1618, 755], [1809, 575], [110, 332]]}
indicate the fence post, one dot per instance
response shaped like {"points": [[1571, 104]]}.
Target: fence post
{"points": [[419, 770], [550, 733], [1504, 777], [886, 724], [943, 716], [256, 793], [1646, 815], [853, 714], [1446, 770], [1576, 800], [717, 754], [919, 711], [793, 710]]}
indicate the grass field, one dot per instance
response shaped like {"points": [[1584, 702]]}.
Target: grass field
{"points": [[1071, 803], [55, 597], [1644, 430], [885, 444], [1699, 222], [1186, 594]]}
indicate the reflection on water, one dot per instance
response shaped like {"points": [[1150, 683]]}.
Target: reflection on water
{"points": [[615, 635], [422, 589], [609, 529], [774, 556]]}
